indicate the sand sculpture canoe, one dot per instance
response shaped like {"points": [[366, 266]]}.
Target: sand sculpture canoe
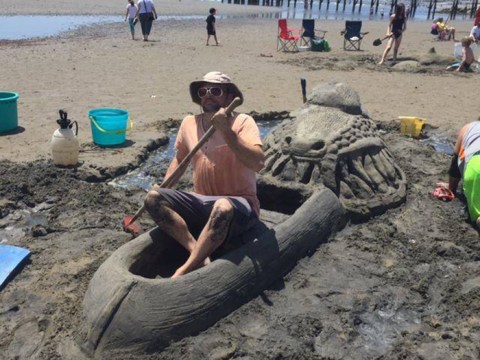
{"points": [[324, 167], [131, 303]]}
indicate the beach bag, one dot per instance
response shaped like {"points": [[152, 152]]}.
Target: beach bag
{"points": [[150, 14], [320, 45], [326, 46]]}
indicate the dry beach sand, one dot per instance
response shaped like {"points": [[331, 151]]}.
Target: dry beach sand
{"points": [[404, 285]]}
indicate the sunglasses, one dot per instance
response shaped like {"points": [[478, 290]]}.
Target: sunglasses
{"points": [[213, 91]]}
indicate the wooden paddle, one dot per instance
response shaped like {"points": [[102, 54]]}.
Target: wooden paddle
{"points": [[378, 42], [129, 224]]}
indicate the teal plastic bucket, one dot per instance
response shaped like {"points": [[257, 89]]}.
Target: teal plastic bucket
{"points": [[8, 111], [109, 126]]}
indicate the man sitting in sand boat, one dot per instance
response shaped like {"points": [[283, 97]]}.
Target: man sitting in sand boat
{"points": [[224, 202], [465, 166]]}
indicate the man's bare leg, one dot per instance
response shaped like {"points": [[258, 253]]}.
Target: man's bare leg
{"points": [[212, 236], [168, 220]]}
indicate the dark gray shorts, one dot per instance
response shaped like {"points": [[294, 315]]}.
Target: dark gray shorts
{"points": [[195, 209]]}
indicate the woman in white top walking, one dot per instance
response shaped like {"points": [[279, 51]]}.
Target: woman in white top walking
{"points": [[146, 13], [131, 15]]}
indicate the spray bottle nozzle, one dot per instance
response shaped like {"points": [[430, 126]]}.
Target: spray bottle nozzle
{"points": [[63, 121]]}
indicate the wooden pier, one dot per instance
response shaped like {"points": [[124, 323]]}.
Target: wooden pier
{"points": [[356, 6]]}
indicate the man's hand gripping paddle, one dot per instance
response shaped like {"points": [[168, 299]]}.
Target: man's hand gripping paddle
{"points": [[129, 222]]}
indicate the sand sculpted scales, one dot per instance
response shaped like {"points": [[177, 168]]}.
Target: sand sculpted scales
{"points": [[331, 143], [324, 167]]}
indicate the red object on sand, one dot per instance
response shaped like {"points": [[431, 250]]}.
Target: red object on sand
{"points": [[133, 228], [443, 193]]}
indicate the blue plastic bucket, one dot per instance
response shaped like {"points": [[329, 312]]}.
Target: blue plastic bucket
{"points": [[109, 126], [8, 111]]}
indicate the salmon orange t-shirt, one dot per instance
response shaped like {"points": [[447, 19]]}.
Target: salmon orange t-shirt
{"points": [[216, 169]]}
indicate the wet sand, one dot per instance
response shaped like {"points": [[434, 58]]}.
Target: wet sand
{"points": [[403, 285]]}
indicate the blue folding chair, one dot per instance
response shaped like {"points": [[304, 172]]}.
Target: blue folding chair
{"points": [[352, 35], [309, 32]]}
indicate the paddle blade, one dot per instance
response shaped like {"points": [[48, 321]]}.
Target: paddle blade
{"points": [[377, 42], [133, 228]]}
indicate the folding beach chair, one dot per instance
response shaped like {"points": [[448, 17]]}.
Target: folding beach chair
{"points": [[286, 40], [352, 35], [309, 32]]}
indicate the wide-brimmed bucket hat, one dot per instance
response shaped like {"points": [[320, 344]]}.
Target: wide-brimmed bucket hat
{"points": [[214, 77]]}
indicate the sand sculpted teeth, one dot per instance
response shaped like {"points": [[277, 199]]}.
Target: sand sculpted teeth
{"points": [[364, 176], [325, 146]]}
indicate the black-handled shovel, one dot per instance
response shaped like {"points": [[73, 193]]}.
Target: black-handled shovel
{"points": [[378, 42]]}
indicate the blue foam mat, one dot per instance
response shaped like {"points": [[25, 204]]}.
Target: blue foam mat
{"points": [[11, 259]]}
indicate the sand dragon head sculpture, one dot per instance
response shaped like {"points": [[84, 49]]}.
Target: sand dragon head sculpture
{"points": [[331, 142]]}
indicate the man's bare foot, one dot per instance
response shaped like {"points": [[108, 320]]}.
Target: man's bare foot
{"points": [[177, 274], [381, 62], [182, 270]]}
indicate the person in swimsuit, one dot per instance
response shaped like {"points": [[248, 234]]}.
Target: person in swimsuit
{"points": [[476, 20], [396, 28], [467, 55]]}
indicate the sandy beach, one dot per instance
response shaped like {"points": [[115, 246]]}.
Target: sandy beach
{"points": [[97, 67], [317, 312]]}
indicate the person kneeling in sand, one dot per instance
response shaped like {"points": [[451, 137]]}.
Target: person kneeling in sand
{"points": [[465, 166], [475, 34], [224, 203], [467, 55]]}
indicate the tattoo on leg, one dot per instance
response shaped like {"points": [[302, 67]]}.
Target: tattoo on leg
{"points": [[219, 223]]}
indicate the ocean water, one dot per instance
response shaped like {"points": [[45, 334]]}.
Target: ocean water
{"points": [[19, 27]]}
